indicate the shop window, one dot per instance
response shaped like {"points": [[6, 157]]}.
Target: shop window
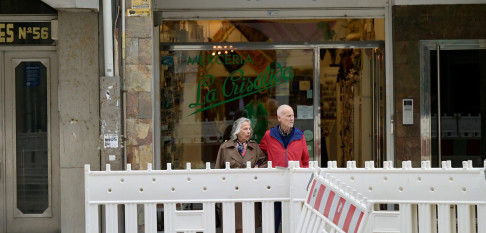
{"points": [[207, 84], [203, 92]]}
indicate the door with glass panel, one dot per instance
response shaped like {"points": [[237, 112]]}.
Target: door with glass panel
{"points": [[29, 138], [453, 101]]}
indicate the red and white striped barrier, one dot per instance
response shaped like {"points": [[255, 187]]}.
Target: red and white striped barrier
{"points": [[330, 208]]}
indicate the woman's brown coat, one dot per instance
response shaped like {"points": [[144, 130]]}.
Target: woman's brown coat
{"points": [[229, 153]]}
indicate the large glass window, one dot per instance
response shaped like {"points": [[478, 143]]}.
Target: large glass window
{"points": [[215, 71], [203, 92]]}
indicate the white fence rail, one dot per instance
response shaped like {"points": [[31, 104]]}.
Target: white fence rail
{"points": [[408, 200]]}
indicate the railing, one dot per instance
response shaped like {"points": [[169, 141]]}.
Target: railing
{"points": [[408, 200]]}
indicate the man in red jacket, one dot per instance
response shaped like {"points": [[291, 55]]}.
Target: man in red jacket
{"points": [[284, 143]]}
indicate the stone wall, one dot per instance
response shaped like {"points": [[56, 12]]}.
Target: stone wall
{"points": [[138, 87], [79, 115], [410, 25]]}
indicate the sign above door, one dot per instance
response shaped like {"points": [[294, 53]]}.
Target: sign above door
{"points": [[25, 33]]}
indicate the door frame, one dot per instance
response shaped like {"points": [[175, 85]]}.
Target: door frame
{"points": [[425, 103], [34, 53], [2, 145]]}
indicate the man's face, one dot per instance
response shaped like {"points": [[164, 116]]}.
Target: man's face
{"points": [[287, 118]]}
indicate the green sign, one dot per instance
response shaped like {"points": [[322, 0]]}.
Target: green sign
{"points": [[236, 85]]}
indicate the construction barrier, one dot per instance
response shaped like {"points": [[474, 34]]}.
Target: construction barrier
{"points": [[320, 200]]}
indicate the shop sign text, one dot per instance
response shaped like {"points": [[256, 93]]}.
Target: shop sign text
{"points": [[226, 59], [236, 85]]}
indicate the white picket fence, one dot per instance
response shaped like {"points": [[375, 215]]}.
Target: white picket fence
{"points": [[407, 200]]}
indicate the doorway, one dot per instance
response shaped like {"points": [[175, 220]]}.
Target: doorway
{"points": [[455, 101], [29, 138], [352, 106]]}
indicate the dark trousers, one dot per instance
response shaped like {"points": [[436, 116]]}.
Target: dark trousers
{"points": [[278, 215]]}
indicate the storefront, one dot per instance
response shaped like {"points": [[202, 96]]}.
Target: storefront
{"points": [[330, 71], [49, 115], [366, 79]]}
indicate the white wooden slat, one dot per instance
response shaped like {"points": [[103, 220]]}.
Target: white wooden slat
{"points": [[318, 226], [312, 223], [444, 218], [111, 218], [295, 211], [307, 218], [150, 217], [169, 217], [248, 217], [463, 218], [406, 218], [131, 217], [268, 217], [92, 218], [228, 217], [302, 216], [315, 224], [210, 217], [426, 213], [286, 217]]}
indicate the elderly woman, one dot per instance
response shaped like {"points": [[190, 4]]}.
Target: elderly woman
{"points": [[237, 151], [240, 148]]}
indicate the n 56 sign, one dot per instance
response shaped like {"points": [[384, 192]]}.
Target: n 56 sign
{"points": [[23, 33]]}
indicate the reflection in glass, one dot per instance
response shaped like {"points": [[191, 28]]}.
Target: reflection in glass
{"points": [[31, 137], [287, 30], [203, 92]]}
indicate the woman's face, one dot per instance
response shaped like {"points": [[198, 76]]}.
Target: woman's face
{"points": [[245, 132]]}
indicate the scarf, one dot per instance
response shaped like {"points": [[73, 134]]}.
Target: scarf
{"points": [[241, 147]]}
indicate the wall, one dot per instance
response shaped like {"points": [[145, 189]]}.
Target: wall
{"points": [[410, 25], [78, 111], [138, 86]]}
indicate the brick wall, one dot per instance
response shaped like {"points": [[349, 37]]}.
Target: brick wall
{"points": [[138, 86]]}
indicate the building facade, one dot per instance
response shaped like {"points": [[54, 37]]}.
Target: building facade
{"points": [[138, 82]]}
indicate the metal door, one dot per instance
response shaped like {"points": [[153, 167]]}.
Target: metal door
{"points": [[29, 142], [453, 101]]}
